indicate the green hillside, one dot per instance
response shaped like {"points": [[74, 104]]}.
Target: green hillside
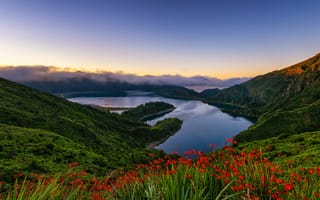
{"points": [[81, 133], [297, 150], [286, 101]]}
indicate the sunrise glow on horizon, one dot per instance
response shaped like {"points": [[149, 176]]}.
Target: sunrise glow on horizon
{"points": [[222, 39]]}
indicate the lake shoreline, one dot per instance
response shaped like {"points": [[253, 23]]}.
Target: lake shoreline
{"points": [[154, 144], [203, 124], [156, 115]]}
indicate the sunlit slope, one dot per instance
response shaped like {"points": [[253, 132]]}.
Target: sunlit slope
{"points": [[285, 100]]}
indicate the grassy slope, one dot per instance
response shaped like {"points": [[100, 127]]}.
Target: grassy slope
{"points": [[118, 140], [268, 91], [284, 122], [286, 101], [301, 150]]}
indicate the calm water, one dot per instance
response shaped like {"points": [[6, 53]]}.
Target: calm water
{"points": [[203, 124]]}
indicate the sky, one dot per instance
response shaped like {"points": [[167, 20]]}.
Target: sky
{"points": [[218, 38]]}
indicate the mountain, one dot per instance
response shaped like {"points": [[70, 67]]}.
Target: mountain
{"points": [[209, 93], [38, 129], [25, 74], [286, 101], [75, 87]]}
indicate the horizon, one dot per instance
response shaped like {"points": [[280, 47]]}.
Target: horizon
{"points": [[221, 39]]}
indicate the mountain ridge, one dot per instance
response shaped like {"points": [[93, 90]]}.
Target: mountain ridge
{"points": [[269, 96]]}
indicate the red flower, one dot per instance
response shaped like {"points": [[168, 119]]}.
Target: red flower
{"points": [[263, 178], [189, 176], [229, 140], [288, 187]]}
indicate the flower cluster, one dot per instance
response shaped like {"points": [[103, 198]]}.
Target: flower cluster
{"points": [[228, 171]]}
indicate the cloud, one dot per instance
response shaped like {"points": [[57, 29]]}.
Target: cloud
{"points": [[24, 74]]}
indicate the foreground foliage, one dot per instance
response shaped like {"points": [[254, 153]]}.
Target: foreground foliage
{"points": [[225, 174]]}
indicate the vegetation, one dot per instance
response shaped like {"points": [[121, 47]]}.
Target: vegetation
{"points": [[148, 111], [177, 92], [209, 93], [286, 101], [226, 174], [279, 122], [299, 150], [41, 132]]}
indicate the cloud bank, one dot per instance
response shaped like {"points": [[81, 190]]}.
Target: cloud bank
{"points": [[24, 74]]}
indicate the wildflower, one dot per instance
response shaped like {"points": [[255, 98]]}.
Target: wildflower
{"points": [[73, 164], [151, 155], [311, 171], [288, 187], [20, 174], [189, 176], [263, 178], [229, 140]]}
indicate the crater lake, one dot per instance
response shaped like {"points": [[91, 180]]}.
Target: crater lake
{"points": [[204, 126]]}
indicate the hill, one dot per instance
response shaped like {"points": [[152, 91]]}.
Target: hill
{"points": [[286, 101], [87, 133], [86, 87], [209, 93]]}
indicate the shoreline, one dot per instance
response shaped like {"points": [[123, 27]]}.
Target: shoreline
{"points": [[106, 108], [154, 144], [156, 115]]}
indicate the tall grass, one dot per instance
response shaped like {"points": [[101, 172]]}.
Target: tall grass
{"points": [[225, 174]]}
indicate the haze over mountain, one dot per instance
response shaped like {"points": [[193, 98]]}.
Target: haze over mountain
{"points": [[25, 74]]}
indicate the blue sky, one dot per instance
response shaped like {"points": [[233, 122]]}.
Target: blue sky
{"points": [[227, 38]]}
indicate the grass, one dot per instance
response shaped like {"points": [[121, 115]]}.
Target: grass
{"points": [[226, 174], [298, 150]]}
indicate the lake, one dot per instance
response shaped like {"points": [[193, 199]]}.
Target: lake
{"points": [[203, 125]]}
